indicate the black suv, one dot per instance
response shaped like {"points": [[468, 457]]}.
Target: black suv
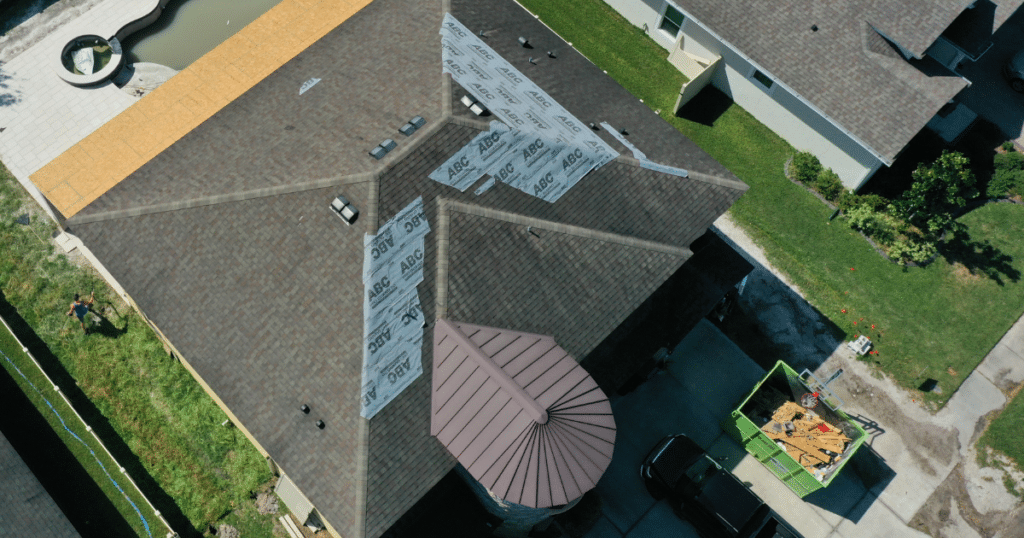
{"points": [[714, 501]]}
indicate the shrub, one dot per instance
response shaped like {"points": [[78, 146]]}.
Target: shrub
{"points": [[828, 185], [805, 168], [939, 189], [1008, 178], [849, 200], [878, 226], [1008, 146], [912, 250]]}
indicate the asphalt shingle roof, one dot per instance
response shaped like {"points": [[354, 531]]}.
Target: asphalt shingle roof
{"points": [[880, 98], [227, 244]]}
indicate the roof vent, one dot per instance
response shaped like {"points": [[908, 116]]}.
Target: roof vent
{"points": [[304, 408], [348, 213], [551, 54], [320, 424], [525, 43], [381, 150], [473, 105], [814, 27], [409, 128]]}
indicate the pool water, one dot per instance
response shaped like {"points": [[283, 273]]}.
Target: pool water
{"points": [[188, 29]]}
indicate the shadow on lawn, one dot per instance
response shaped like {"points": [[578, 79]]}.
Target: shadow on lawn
{"points": [[706, 107], [99, 324], [92, 416], [979, 257], [61, 475]]}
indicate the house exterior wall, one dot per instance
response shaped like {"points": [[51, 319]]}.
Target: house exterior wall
{"points": [[779, 109]]}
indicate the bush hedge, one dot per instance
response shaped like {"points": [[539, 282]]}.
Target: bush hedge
{"points": [[805, 168], [1008, 177], [849, 200], [828, 185]]}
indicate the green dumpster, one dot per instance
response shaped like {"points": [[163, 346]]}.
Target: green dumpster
{"points": [[744, 425]]}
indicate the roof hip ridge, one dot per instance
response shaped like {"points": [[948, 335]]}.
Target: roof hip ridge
{"points": [[734, 184]]}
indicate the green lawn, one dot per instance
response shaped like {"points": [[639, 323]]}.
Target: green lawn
{"points": [[157, 420], [81, 443], [936, 322]]}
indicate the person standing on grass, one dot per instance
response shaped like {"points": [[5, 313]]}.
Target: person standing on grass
{"points": [[80, 309]]}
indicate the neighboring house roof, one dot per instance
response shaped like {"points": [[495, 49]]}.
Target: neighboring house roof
{"points": [[845, 68], [227, 243], [26, 507], [913, 24]]}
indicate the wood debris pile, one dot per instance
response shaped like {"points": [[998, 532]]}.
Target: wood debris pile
{"points": [[811, 441]]}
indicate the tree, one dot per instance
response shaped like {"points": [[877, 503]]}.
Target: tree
{"points": [[939, 189]]}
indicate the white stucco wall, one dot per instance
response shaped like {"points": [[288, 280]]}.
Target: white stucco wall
{"points": [[781, 111]]}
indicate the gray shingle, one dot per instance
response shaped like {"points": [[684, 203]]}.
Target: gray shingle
{"points": [[226, 241], [881, 99]]}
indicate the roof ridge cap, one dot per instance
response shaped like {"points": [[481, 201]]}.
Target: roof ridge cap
{"points": [[216, 199]]}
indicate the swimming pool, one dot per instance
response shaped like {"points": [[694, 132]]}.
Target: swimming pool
{"points": [[188, 29]]}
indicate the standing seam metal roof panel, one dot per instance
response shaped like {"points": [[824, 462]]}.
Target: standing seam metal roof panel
{"points": [[537, 431]]}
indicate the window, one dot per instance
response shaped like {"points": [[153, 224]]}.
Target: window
{"points": [[763, 79], [672, 21]]}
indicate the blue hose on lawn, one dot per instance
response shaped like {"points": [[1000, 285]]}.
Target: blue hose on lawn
{"points": [[87, 447]]}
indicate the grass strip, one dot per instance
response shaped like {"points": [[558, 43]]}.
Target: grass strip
{"points": [[149, 411], [1004, 435], [936, 322], [133, 508]]}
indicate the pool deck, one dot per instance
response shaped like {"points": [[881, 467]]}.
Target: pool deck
{"points": [[40, 114], [75, 144]]}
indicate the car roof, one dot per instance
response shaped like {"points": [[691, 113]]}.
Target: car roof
{"points": [[1017, 61]]}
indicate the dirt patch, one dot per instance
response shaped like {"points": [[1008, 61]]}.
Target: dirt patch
{"points": [[964, 275], [934, 516], [266, 503], [925, 442]]}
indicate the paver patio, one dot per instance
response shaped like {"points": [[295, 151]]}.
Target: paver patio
{"points": [[74, 144]]}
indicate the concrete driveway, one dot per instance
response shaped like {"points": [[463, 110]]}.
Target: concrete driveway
{"points": [[707, 376], [989, 94], [917, 471]]}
